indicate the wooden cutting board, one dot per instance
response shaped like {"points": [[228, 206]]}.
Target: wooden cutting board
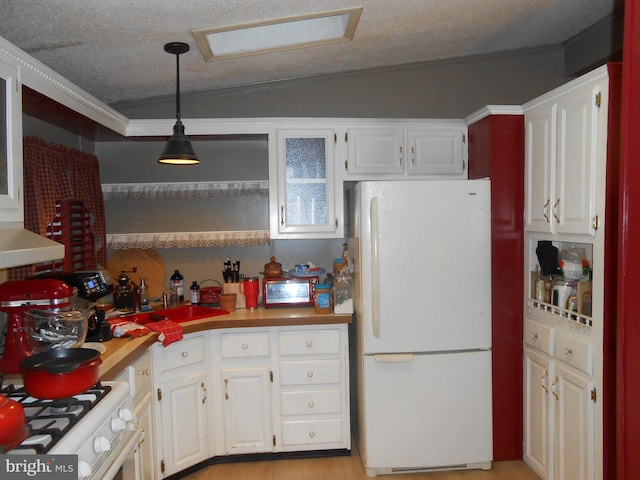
{"points": [[148, 264]]}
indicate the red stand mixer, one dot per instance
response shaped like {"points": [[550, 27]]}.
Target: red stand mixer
{"points": [[16, 299]]}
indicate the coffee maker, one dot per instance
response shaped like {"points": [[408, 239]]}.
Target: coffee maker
{"points": [[16, 299]]}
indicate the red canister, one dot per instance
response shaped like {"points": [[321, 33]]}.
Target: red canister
{"points": [[210, 295], [250, 288]]}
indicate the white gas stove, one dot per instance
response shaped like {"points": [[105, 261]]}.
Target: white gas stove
{"points": [[97, 425]]}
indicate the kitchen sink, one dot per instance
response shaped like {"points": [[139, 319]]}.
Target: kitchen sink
{"points": [[183, 313]]}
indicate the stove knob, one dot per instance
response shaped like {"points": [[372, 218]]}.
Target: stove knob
{"points": [[101, 444], [117, 425], [84, 469], [125, 414]]}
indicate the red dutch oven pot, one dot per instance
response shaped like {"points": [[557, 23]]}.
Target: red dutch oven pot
{"points": [[60, 373]]}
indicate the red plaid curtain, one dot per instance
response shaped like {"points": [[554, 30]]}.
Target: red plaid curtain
{"points": [[55, 172]]}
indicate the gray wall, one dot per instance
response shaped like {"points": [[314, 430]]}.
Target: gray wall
{"points": [[446, 89]]}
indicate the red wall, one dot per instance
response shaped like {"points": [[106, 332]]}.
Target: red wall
{"points": [[496, 150], [628, 331]]}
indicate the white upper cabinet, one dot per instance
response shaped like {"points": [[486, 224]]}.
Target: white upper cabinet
{"points": [[562, 135], [11, 209], [393, 151], [304, 200]]}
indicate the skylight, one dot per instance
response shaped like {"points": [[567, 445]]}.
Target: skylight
{"points": [[277, 34]]}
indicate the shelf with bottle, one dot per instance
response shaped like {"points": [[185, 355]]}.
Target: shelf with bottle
{"points": [[560, 280]]}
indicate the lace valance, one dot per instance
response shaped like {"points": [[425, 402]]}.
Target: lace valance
{"points": [[188, 239], [183, 189]]}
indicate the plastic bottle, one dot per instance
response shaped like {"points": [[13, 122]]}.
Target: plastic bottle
{"points": [[144, 299], [322, 298], [195, 293], [177, 280]]}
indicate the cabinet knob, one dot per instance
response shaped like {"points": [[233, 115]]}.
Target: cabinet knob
{"points": [[567, 351], [309, 374], [312, 434], [311, 404], [245, 346], [534, 336], [309, 343], [184, 354]]}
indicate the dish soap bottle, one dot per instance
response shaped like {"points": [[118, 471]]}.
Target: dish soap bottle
{"points": [[177, 281]]}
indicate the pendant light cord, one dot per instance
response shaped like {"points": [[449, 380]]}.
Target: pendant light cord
{"points": [[178, 86]]}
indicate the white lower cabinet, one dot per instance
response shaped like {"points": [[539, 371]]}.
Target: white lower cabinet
{"points": [[282, 390], [313, 379], [573, 425], [247, 410], [145, 453], [559, 397], [537, 405], [250, 390], [140, 464], [182, 403]]}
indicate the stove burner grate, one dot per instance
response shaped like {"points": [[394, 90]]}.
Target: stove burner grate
{"points": [[50, 420]]}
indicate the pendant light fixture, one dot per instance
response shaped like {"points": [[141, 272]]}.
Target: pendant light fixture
{"points": [[178, 150]]}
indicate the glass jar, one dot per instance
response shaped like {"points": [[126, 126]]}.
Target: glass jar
{"points": [[322, 298], [343, 294]]}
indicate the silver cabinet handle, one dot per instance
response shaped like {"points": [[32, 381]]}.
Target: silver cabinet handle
{"points": [[282, 215], [544, 210], [555, 215], [543, 379]]}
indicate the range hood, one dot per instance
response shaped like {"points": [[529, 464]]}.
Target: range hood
{"points": [[19, 246]]}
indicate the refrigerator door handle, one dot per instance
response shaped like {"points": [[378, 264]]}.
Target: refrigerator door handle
{"points": [[393, 357], [375, 276]]}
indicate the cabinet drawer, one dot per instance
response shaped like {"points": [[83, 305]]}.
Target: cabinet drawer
{"points": [[538, 336], [180, 354], [309, 342], [240, 345], [141, 375], [311, 432], [310, 373], [575, 352], [310, 402]]}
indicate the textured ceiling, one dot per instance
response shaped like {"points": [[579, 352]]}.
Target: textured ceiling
{"points": [[113, 49]]}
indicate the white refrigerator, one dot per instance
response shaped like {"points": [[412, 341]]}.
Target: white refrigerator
{"points": [[423, 319]]}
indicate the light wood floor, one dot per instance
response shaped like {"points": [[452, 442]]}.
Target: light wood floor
{"points": [[339, 468]]}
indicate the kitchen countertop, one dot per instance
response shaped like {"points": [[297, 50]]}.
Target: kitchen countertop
{"points": [[121, 352]]}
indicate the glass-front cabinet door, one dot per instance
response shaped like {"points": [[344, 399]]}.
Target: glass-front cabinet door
{"points": [[10, 145], [305, 205]]}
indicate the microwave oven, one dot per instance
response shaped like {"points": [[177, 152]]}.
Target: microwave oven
{"points": [[288, 291]]}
